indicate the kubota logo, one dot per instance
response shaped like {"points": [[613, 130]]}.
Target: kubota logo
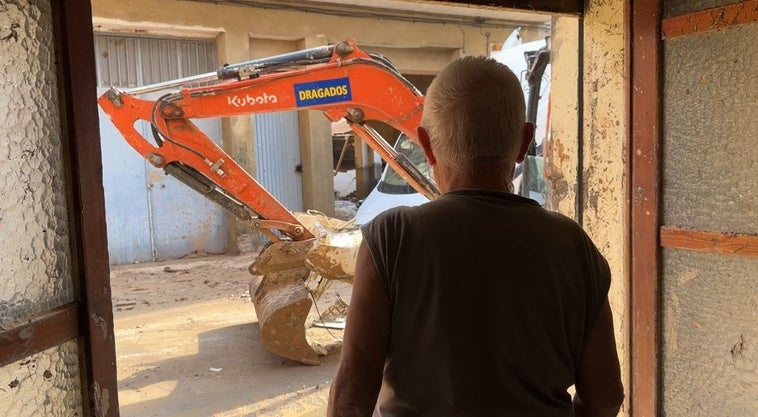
{"points": [[249, 100]]}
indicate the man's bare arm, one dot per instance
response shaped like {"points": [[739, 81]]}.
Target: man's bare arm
{"points": [[359, 376], [599, 392]]}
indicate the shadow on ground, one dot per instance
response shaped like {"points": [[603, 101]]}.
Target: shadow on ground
{"points": [[230, 371]]}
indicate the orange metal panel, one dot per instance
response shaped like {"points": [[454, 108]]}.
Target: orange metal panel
{"points": [[711, 19], [713, 242]]}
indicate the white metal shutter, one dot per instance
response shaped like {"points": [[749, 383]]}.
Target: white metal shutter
{"points": [[277, 150], [151, 216]]}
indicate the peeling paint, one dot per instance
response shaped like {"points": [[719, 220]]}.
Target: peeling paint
{"points": [[562, 148], [100, 323], [687, 276], [605, 143], [102, 399]]}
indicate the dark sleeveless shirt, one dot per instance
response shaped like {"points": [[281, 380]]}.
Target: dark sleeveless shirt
{"points": [[492, 298]]}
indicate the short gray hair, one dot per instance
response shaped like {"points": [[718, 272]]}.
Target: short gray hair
{"points": [[474, 112]]}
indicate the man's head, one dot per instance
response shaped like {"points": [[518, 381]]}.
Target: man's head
{"points": [[473, 120]]}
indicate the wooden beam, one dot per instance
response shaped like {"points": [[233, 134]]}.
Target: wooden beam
{"points": [[645, 123], [83, 170], [566, 7], [711, 19], [44, 331], [712, 242]]}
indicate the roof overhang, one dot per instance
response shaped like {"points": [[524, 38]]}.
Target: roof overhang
{"points": [[480, 13]]}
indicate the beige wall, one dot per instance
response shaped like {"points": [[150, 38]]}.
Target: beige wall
{"points": [[245, 33], [600, 137]]}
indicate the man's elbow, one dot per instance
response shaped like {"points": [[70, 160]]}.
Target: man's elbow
{"points": [[344, 403], [339, 408], [607, 404]]}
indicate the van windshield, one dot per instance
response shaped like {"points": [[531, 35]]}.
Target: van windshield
{"points": [[392, 182]]}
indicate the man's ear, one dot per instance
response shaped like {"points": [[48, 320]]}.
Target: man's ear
{"points": [[526, 139], [426, 145]]}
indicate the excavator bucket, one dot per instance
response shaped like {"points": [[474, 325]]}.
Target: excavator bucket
{"points": [[282, 304], [282, 301], [280, 294]]}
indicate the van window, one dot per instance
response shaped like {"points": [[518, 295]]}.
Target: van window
{"points": [[392, 182]]}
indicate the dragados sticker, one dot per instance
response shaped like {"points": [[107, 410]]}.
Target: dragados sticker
{"points": [[323, 92]]}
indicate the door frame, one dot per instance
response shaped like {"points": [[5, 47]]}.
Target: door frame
{"points": [[89, 319], [648, 234], [644, 57], [89, 243]]}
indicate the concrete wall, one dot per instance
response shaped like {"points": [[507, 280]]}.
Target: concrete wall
{"points": [[246, 32], [710, 183], [587, 162]]}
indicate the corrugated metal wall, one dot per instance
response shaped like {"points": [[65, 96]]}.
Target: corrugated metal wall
{"points": [[126, 61], [151, 216], [710, 183], [277, 150]]}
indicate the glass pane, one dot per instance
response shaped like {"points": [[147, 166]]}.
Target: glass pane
{"points": [[35, 270], [711, 119], [392, 182], [710, 307], [43, 384]]}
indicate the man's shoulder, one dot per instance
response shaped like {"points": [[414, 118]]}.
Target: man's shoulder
{"points": [[560, 219], [390, 219]]}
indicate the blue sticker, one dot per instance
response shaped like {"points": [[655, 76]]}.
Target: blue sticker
{"points": [[323, 92]]}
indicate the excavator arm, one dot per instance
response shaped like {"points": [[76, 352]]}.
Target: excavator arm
{"points": [[340, 80], [351, 84]]}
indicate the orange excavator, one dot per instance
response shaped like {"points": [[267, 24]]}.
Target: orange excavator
{"points": [[340, 80]]}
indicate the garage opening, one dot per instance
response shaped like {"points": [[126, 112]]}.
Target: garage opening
{"points": [[186, 326]]}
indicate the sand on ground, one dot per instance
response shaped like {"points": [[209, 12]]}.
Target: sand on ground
{"points": [[188, 344]]}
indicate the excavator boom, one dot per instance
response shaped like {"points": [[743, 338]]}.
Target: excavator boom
{"points": [[340, 80]]}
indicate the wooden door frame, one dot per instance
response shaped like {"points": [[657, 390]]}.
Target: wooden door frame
{"points": [[649, 235], [644, 52], [77, 77]]}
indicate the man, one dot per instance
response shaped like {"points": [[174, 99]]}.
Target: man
{"points": [[480, 303]]}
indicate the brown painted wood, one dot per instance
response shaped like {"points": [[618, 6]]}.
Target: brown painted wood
{"points": [[39, 333], [645, 124], [712, 242], [711, 19], [81, 150]]}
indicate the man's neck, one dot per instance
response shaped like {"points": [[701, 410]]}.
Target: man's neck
{"points": [[495, 177], [495, 181]]}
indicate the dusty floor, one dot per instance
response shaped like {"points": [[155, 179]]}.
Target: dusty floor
{"points": [[187, 343]]}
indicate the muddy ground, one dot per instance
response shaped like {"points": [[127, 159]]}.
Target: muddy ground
{"points": [[188, 344]]}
